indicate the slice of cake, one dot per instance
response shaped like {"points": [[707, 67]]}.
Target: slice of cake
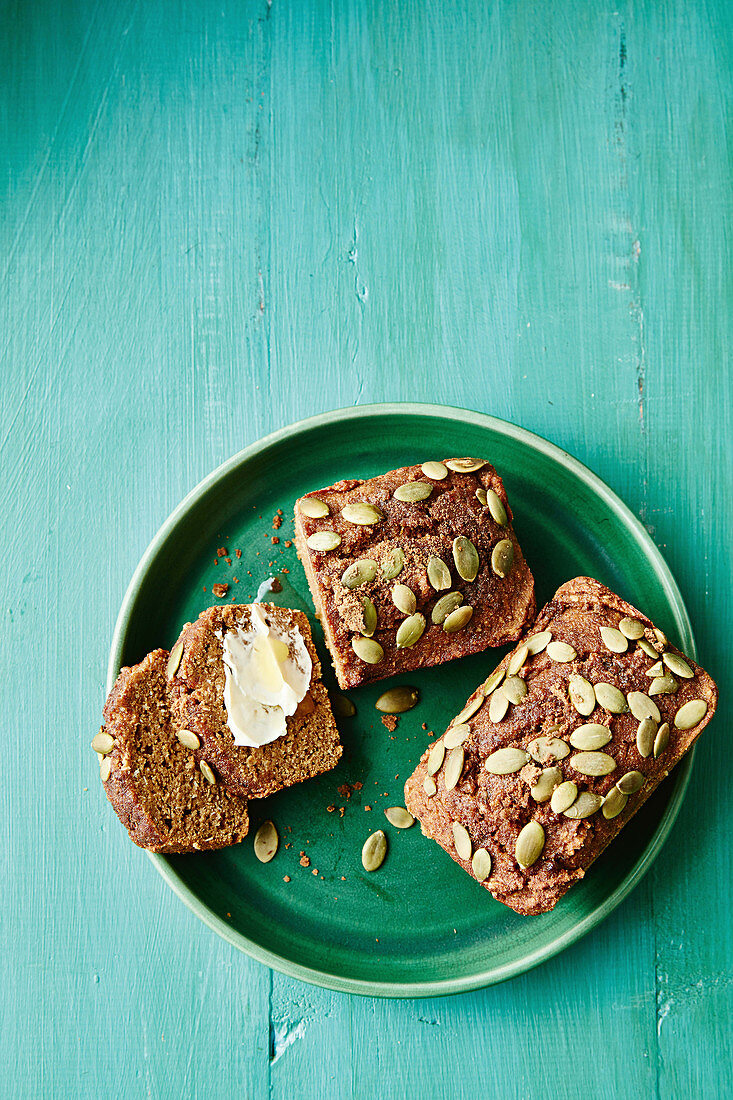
{"points": [[166, 796], [559, 748], [413, 568], [247, 685]]}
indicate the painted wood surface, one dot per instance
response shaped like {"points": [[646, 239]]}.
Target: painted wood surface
{"points": [[219, 218]]}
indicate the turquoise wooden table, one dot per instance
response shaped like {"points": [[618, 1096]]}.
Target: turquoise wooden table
{"points": [[220, 218]]}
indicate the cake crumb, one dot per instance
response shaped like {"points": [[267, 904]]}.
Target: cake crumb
{"points": [[288, 543], [314, 871], [238, 553], [274, 540], [367, 807], [342, 810], [358, 785], [390, 722], [286, 878], [330, 809], [228, 561], [284, 570], [276, 586], [219, 590], [304, 860], [222, 552], [344, 790]]}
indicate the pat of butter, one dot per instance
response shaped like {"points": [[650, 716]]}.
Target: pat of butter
{"points": [[267, 671]]}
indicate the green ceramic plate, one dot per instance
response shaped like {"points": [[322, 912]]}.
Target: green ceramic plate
{"points": [[419, 926]]}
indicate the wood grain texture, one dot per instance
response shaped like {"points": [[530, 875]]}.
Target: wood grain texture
{"points": [[218, 218]]}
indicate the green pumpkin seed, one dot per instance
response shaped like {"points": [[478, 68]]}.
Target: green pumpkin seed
{"points": [[174, 661], [207, 772], [538, 642], [593, 763], [428, 785], [614, 640], [458, 619], [313, 507], [456, 735], [266, 842], [561, 651], [641, 706], [461, 841], [342, 706], [614, 802], [481, 496], [103, 742], [661, 740], [323, 541], [399, 817], [105, 768], [514, 689], [444, 606], [453, 767], [438, 574], [413, 491], [545, 784], [645, 735], [690, 714], [631, 629], [506, 761], [647, 647], [661, 637], [498, 706], [582, 695], [374, 851], [545, 749], [188, 739], [493, 681], [465, 465], [677, 665], [481, 864], [436, 757], [584, 806], [610, 698], [591, 736], [496, 507], [361, 513], [516, 661], [369, 616], [663, 685], [530, 843], [410, 631], [630, 783], [502, 558], [473, 705], [367, 649], [655, 670], [393, 564], [435, 470], [361, 571], [397, 700], [563, 797], [465, 556], [404, 599]]}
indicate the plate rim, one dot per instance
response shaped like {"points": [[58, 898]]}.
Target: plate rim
{"points": [[495, 974]]}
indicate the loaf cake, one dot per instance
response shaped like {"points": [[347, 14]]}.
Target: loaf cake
{"points": [[560, 747], [413, 568], [166, 799]]}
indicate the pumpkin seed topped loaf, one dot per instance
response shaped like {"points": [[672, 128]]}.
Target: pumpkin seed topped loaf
{"points": [[413, 568], [561, 745]]}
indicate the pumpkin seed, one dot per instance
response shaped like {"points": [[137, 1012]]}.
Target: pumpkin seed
{"points": [[207, 772], [323, 541], [614, 640], [498, 706], [342, 706], [481, 864], [493, 681], [655, 670], [453, 767], [436, 757], [313, 507], [397, 700], [516, 660], [410, 631], [645, 735], [473, 705], [530, 843], [465, 555], [545, 749], [481, 496], [663, 685], [563, 797], [661, 740], [631, 629], [593, 763], [502, 558], [103, 742], [174, 661], [458, 619], [361, 513], [582, 695], [496, 507], [367, 649], [561, 651], [399, 817], [444, 606], [514, 688], [359, 572], [690, 714], [538, 642], [676, 665], [404, 599], [413, 491], [610, 698], [465, 465], [374, 851], [105, 768], [641, 706], [438, 574], [661, 637], [428, 785], [393, 564], [461, 841], [456, 735], [647, 647], [369, 616], [591, 736], [506, 761], [188, 739], [266, 842], [613, 803], [630, 783], [436, 470], [585, 804], [545, 784]]}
